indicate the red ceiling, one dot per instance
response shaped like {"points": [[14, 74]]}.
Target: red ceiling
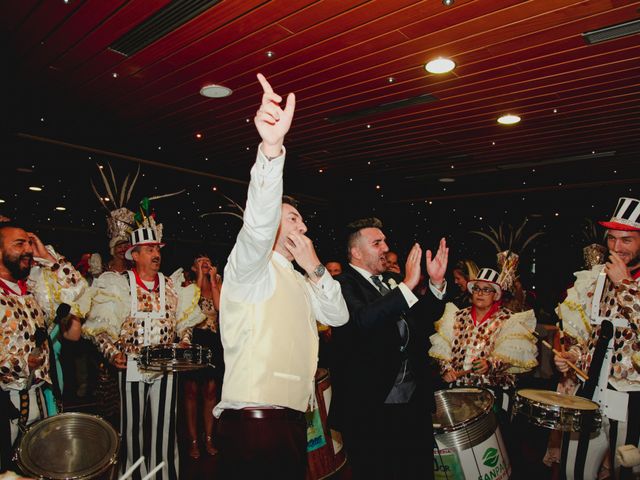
{"points": [[525, 57]]}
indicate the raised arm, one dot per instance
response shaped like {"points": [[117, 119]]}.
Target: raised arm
{"points": [[249, 258]]}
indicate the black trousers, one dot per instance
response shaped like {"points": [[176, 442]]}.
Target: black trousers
{"points": [[256, 443], [395, 442]]}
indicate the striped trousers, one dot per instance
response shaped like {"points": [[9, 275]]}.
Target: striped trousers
{"points": [[148, 426], [581, 457]]}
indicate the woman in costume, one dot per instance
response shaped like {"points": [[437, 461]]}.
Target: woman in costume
{"points": [[206, 381], [484, 345]]}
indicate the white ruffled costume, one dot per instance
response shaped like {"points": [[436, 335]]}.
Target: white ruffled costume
{"points": [[107, 307], [504, 340]]}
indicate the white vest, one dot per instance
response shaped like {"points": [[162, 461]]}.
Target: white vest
{"points": [[271, 348]]}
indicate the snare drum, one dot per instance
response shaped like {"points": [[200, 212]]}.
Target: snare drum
{"points": [[69, 445], [174, 358], [557, 411], [468, 442]]}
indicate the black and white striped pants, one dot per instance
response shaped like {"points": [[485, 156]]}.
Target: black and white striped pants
{"points": [[148, 426], [581, 457]]}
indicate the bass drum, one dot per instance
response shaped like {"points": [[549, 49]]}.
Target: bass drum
{"points": [[69, 446], [325, 453], [468, 442]]}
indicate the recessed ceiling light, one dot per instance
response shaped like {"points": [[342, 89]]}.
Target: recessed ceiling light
{"points": [[215, 91], [199, 136], [270, 54], [446, 180], [440, 65], [448, 3], [114, 74], [1, 200], [61, 209], [35, 189], [508, 119], [391, 79]]}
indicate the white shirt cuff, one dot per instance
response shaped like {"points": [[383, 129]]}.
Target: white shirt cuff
{"points": [[408, 295], [439, 294]]}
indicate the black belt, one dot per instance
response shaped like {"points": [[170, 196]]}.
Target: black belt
{"points": [[264, 413]]}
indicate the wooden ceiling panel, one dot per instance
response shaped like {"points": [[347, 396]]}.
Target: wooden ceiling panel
{"points": [[84, 20], [522, 56], [131, 14], [134, 71]]}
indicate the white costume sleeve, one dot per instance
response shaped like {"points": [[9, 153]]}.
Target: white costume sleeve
{"points": [[443, 338], [515, 345]]}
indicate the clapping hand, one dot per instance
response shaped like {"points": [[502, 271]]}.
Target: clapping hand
{"points": [[271, 120], [437, 267], [412, 267]]}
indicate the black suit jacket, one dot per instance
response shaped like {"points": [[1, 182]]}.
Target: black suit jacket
{"points": [[365, 355]]}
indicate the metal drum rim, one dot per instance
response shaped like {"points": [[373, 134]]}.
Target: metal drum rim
{"points": [[113, 459], [468, 421]]}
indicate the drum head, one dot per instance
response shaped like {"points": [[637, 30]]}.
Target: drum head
{"points": [[459, 406], [69, 445], [557, 399]]}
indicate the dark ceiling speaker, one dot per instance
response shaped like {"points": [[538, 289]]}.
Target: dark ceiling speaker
{"points": [[611, 32], [384, 107], [165, 20]]}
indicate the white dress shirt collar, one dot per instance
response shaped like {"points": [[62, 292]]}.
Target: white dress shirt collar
{"points": [[282, 260]]}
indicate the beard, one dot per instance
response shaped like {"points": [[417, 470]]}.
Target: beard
{"points": [[13, 265]]}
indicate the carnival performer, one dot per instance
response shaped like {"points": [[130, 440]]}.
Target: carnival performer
{"points": [[34, 282], [601, 316], [268, 313], [126, 312], [484, 345]]}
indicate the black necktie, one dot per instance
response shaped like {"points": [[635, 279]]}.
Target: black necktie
{"points": [[380, 284]]}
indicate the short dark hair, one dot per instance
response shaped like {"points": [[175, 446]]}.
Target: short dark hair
{"points": [[5, 225], [290, 201], [354, 228]]}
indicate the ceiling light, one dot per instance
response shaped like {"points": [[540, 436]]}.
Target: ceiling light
{"points": [[1, 200], [447, 3], [35, 189], [508, 119], [391, 79], [215, 91], [114, 74], [199, 136], [446, 180], [61, 209], [440, 65], [270, 54]]}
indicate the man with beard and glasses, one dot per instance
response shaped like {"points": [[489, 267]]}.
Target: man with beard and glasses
{"points": [[382, 392], [601, 315], [126, 312], [34, 281]]}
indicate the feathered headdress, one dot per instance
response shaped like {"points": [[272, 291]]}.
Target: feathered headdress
{"points": [[509, 243], [120, 220]]}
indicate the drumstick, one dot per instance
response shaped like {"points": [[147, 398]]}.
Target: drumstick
{"points": [[153, 472], [580, 372], [128, 473], [561, 333]]}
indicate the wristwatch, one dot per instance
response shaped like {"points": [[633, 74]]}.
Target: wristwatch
{"points": [[319, 271]]}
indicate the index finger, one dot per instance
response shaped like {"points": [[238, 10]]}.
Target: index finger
{"points": [[266, 87]]}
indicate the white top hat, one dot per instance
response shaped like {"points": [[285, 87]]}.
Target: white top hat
{"points": [[626, 217], [144, 236], [487, 275]]}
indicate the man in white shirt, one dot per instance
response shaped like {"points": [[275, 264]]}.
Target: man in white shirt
{"points": [[268, 314]]}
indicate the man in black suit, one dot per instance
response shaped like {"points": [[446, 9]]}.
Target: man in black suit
{"points": [[382, 394]]}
